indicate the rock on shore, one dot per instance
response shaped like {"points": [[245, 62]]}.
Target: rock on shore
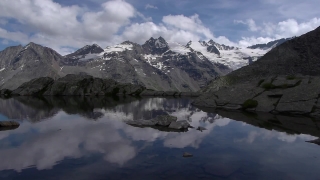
{"points": [[279, 94]]}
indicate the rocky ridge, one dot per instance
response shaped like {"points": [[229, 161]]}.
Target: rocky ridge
{"points": [[284, 81], [156, 64]]}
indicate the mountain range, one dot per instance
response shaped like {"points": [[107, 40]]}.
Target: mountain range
{"points": [[156, 64]]}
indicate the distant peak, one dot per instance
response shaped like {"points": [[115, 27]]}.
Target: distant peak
{"points": [[127, 43]]}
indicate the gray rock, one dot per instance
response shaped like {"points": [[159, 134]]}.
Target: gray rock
{"points": [[33, 87], [147, 92], [201, 128], [266, 101], [179, 125], [8, 123], [190, 94], [301, 93], [298, 107], [169, 93], [165, 120], [76, 85], [283, 81], [186, 154], [237, 94], [142, 122]]}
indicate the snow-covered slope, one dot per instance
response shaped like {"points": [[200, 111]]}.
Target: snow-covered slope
{"points": [[232, 57]]}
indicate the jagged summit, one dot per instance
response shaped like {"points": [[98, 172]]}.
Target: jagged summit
{"points": [[88, 49], [156, 46], [221, 46]]}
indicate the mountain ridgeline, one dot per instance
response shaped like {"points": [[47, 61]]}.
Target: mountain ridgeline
{"points": [[156, 64]]}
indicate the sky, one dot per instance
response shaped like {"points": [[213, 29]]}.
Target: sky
{"points": [[66, 25]]}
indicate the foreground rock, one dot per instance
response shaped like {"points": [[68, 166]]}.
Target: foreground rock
{"points": [[163, 122], [76, 85], [8, 125], [280, 94]]}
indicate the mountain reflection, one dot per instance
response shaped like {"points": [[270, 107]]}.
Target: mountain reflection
{"points": [[67, 133], [54, 129]]}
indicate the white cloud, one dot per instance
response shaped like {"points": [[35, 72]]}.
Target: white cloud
{"points": [[192, 23], [251, 24], [271, 31], [178, 28], [149, 6], [55, 25]]}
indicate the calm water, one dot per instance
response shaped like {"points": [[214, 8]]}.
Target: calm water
{"points": [[74, 138]]}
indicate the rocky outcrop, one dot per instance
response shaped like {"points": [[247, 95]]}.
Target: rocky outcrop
{"points": [[8, 125], [280, 95], [300, 55], [162, 122], [76, 85], [284, 81]]}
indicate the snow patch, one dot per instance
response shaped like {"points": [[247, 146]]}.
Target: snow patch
{"points": [[160, 44], [118, 48], [178, 48]]}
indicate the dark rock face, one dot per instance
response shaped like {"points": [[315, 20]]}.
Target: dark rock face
{"points": [[33, 87], [300, 55], [5, 92], [280, 94], [156, 46], [21, 64], [285, 80], [76, 85]]}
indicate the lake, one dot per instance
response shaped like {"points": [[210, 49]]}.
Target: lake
{"points": [[87, 138]]}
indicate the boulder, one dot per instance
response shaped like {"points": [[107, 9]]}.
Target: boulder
{"points": [[201, 128], [165, 120], [142, 122], [179, 124], [186, 154]]}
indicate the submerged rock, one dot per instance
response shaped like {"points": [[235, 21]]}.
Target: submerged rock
{"points": [[186, 154], [8, 124], [143, 122], [201, 128], [179, 125], [165, 120]]}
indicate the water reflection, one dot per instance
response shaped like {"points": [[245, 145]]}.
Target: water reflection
{"points": [[92, 135]]}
